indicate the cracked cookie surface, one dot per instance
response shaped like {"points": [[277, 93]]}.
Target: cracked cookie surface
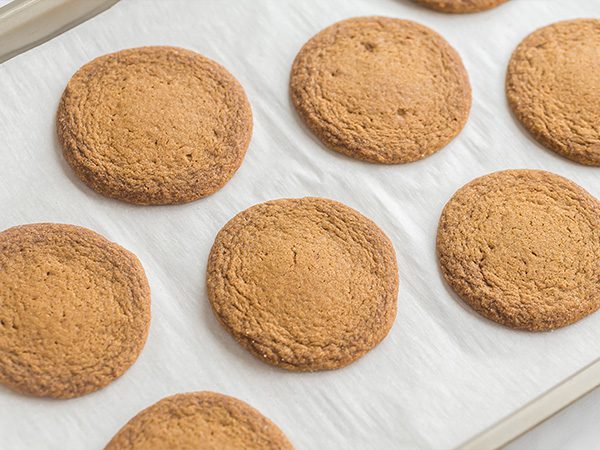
{"points": [[553, 87], [304, 284], [522, 247], [154, 125], [382, 90], [200, 421], [461, 6], [74, 310]]}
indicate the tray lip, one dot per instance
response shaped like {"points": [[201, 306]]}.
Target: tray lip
{"points": [[25, 24], [21, 16], [537, 410]]}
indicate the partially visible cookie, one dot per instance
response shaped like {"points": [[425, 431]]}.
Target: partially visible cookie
{"points": [[154, 125], [553, 87], [381, 90], [199, 421], [304, 284], [522, 248], [461, 6], [74, 310]]}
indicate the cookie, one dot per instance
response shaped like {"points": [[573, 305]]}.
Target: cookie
{"points": [[74, 310], [521, 247], [304, 284], [461, 6], [154, 125], [553, 87], [197, 421], [381, 90]]}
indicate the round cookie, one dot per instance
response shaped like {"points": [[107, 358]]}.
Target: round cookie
{"points": [[381, 90], [521, 247], [198, 421], [74, 310], [553, 87], [461, 6], [304, 284], [154, 125]]}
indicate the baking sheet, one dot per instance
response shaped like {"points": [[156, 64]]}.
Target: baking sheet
{"points": [[441, 376]]}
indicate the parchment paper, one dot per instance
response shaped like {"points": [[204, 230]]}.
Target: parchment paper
{"points": [[442, 375]]}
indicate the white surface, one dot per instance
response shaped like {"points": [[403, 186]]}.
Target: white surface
{"points": [[574, 428], [442, 375]]}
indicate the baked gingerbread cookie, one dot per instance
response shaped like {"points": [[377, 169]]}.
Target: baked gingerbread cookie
{"points": [[200, 421], [154, 125], [304, 284], [522, 247], [74, 310], [553, 87], [381, 90], [461, 6]]}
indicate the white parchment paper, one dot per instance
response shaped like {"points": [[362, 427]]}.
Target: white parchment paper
{"points": [[442, 375]]}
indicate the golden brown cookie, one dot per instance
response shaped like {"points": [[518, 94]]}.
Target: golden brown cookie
{"points": [[553, 87], [200, 421], [154, 125], [461, 6], [304, 284], [381, 90], [74, 310], [522, 247]]}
